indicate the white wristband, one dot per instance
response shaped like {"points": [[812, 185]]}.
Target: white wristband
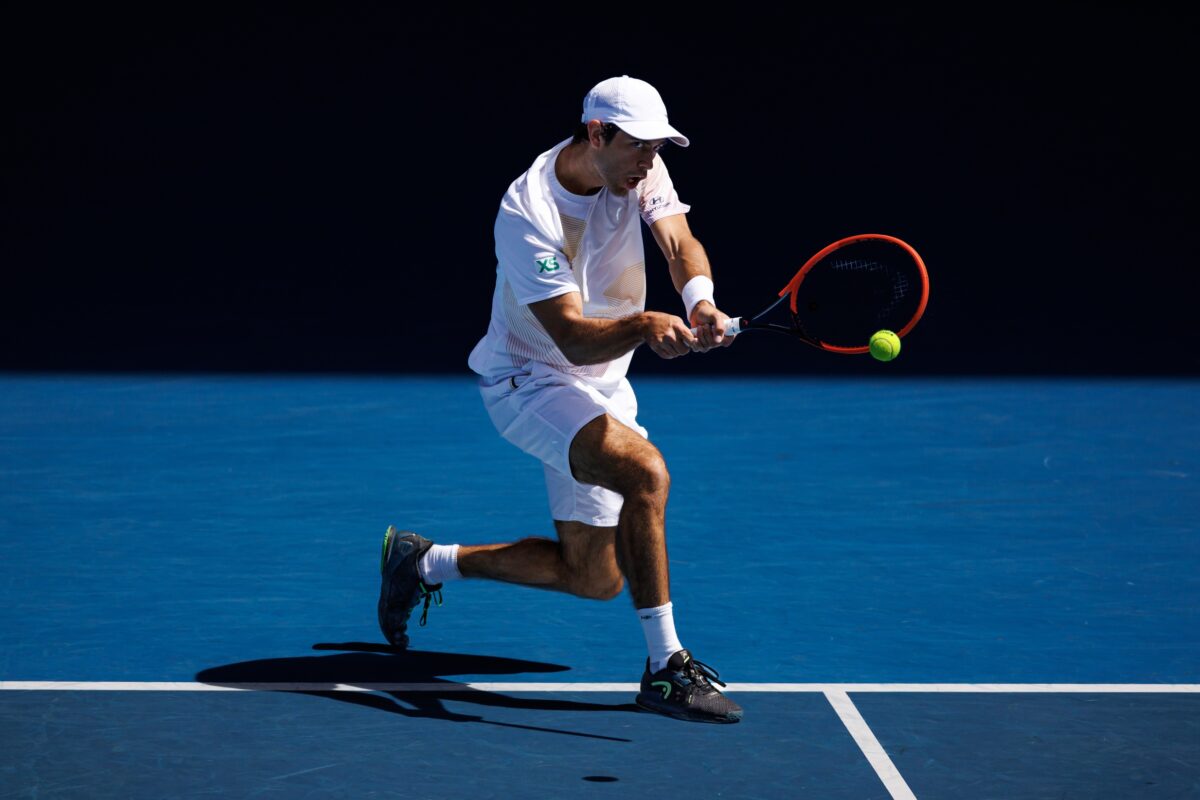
{"points": [[697, 289]]}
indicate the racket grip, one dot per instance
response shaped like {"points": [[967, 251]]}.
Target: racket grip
{"points": [[732, 328]]}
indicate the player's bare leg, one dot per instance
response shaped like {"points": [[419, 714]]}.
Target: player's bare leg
{"points": [[582, 562], [587, 560], [609, 454]]}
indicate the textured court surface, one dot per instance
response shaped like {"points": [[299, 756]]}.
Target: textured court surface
{"points": [[217, 531]]}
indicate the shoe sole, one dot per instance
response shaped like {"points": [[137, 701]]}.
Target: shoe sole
{"points": [[675, 712]]}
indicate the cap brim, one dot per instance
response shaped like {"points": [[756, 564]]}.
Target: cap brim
{"points": [[647, 131]]}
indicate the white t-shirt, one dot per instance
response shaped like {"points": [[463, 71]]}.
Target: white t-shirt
{"points": [[550, 242]]}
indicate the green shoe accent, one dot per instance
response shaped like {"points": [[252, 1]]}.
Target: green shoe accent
{"points": [[387, 538]]}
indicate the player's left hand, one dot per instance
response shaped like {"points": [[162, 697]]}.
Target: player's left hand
{"points": [[710, 322]]}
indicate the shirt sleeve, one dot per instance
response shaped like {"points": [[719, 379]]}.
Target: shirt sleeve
{"points": [[534, 268], [656, 194]]}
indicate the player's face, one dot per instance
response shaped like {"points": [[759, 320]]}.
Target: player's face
{"points": [[624, 162]]}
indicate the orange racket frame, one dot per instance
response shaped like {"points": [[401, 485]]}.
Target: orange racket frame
{"points": [[795, 282]]}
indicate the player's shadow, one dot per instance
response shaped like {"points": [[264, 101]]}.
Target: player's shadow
{"points": [[366, 665]]}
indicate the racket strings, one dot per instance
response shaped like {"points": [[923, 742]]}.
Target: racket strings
{"points": [[856, 291], [896, 281]]}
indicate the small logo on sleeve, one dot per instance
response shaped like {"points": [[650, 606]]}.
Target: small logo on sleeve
{"points": [[548, 264]]}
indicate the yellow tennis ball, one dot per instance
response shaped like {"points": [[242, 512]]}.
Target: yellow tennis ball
{"points": [[885, 345]]}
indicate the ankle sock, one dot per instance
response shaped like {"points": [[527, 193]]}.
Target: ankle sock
{"points": [[439, 564], [658, 625]]}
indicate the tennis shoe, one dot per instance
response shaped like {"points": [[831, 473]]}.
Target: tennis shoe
{"points": [[402, 586], [684, 689]]}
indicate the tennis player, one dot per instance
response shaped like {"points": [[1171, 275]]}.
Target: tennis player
{"points": [[568, 312]]}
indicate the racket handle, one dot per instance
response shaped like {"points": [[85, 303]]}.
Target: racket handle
{"points": [[732, 328]]}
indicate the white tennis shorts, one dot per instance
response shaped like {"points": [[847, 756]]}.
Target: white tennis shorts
{"points": [[541, 413]]}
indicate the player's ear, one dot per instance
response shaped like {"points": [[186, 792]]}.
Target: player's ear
{"points": [[595, 130]]}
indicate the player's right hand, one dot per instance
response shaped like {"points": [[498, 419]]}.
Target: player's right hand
{"points": [[667, 335], [707, 319]]}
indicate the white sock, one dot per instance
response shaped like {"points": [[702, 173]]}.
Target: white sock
{"points": [[658, 624], [439, 564]]}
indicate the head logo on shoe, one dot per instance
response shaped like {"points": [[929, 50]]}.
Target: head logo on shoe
{"points": [[665, 686]]}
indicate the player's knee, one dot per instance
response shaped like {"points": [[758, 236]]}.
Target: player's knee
{"points": [[602, 587], [611, 588], [648, 476], [596, 579]]}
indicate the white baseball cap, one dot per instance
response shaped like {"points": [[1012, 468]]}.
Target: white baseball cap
{"points": [[632, 105]]}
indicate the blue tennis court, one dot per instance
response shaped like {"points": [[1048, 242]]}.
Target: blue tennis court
{"points": [[916, 587]]}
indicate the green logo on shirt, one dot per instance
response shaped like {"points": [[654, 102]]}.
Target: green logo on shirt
{"points": [[549, 264]]}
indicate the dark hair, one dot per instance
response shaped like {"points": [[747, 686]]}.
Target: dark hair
{"points": [[607, 129]]}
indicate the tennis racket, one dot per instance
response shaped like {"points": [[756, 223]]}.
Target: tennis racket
{"points": [[847, 291]]}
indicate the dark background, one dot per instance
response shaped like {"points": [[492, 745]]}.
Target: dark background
{"points": [[277, 188]]}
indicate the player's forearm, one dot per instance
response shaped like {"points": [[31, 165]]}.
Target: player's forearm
{"points": [[591, 340], [688, 262], [595, 340], [692, 276]]}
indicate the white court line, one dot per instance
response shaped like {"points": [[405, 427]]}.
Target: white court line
{"points": [[1103, 688], [870, 746], [820, 688]]}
